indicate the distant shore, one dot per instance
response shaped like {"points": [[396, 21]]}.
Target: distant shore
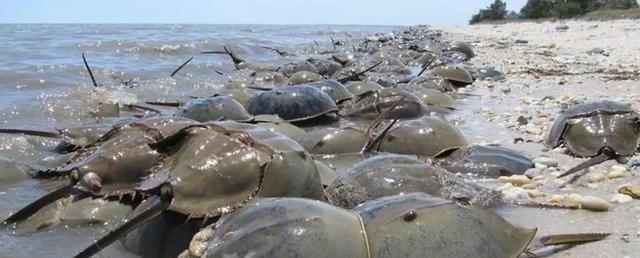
{"points": [[599, 15]]}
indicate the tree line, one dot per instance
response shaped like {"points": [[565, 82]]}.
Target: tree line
{"points": [[535, 9]]}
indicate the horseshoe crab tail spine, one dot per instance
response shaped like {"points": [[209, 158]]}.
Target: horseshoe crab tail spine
{"points": [[370, 145], [180, 67], [356, 76], [218, 72], [31, 132], [236, 60], [35, 206], [159, 203], [143, 108], [214, 52], [604, 156], [164, 145], [280, 52], [540, 246], [572, 238], [86, 65], [427, 66], [166, 104]]}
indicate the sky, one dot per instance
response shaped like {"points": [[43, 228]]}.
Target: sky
{"points": [[360, 12]]}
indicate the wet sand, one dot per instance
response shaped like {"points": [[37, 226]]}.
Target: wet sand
{"points": [[550, 66]]}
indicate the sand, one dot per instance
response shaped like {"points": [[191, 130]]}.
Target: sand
{"points": [[548, 67]]}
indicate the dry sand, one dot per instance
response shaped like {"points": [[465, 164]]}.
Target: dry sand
{"points": [[569, 61]]}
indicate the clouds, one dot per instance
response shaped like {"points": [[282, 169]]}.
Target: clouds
{"points": [[382, 12]]}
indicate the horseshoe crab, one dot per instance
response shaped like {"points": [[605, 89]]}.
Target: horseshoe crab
{"points": [[396, 226], [69, 212], [359, 88], [213, 169], [325, 67], [168, 234], [457, 75], [161, 237], [72, 139], [75, 138], [276, 124], [120, 154], [267, 77], [430, 96], [460, 46], [294, 103], [304, 77], [391, 174], [425, 137], [292, 68], [334, 140], [345, 59], [487, 73], [242, 95], [485, 161], [336, 90], [109, 167], [372, 104], [601, 129], [213, 109], [12, 171], [430, 81], [436, 98], [455, 56]]}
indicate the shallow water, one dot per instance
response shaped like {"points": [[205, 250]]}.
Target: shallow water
{"points": [[46, 86]]}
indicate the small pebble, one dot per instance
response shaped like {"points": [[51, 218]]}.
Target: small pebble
{"points": [[616, 174], [621, 198], [515, 194], [596, 50], [504, 187], [533, 172], [547, 161], [540, 166], [516, 180], [558, 181], [625, 238], [556, 198], [533, 130], [593, 203], [631, 190], [597, 176], [593, 185], [618, 167], [522, 120], [534, 193], [530, 186], [538, 178], [574, 197]]}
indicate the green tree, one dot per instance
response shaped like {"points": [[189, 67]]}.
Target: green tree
{"points": [[567, 10], [536, 9], [621, 4], [570, 8], [496, 11], [512, 15]]}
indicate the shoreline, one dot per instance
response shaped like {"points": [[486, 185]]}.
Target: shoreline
{"points": [[568, 61]]}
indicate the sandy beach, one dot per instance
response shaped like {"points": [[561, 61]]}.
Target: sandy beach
{"points": [[550, 66]]}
